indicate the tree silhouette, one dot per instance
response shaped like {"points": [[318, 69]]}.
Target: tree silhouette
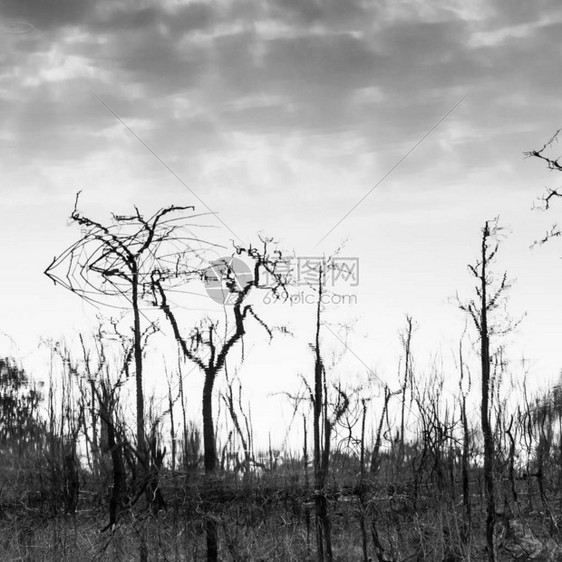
{"points": [[204, 345], [553, 164], [112, 265], [488, 298]]}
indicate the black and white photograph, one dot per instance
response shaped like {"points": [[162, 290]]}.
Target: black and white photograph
{"points": [[281, 280]]}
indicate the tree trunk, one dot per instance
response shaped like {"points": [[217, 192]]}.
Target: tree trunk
{"points": [[406, 341], [305, 452], [321, 453], [465, 458], [172, 428], [318, 397], [209, 445], [362, 450], [375, 457], [210, 459], [141, 448], [119, 473]]}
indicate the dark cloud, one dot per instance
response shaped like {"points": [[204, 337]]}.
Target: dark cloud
{"points": [[137, 19], [340, 62], [192, 17], [280, 67], [337, 14], [314, 83], [313, 76], [517, 12], [45, 14], [305, 12], [153, 62], [176, 21]]}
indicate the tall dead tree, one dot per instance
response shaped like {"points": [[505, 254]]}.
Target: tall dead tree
{"points": [[466, 438], [489, 295], [318, 389], [554, 165], [325, 419], [204, 345], [406, 341], [112, 265], [94, 370]]}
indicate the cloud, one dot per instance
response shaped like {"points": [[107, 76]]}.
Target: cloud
{"points": [[280, 114], [191, 77], [47, 14], [177, 21], [337, 14], [509, 12]]}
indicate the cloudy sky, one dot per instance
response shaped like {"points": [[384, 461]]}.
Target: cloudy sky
{"points": [[280, 116]]}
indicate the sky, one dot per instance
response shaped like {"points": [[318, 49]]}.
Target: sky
{"points": [[281, 116]]}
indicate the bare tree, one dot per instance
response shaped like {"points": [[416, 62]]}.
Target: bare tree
{"points": [[466, 436], [406, 340], [115, 262], [204, 345], [233, 402], [553, 164], [325, 419], [488, 298], [375, 454]]}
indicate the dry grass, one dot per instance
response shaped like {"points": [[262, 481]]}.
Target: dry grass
{"points": [[257, 521]]}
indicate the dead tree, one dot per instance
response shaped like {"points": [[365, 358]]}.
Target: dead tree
{"points": [[489, 296], [553, 164], [406, 341], [204, 345], [244, 432], [318, 389], [325, 419], [107, 396], [466, 439], [375, 454], [115, 263], [95, 371]]}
